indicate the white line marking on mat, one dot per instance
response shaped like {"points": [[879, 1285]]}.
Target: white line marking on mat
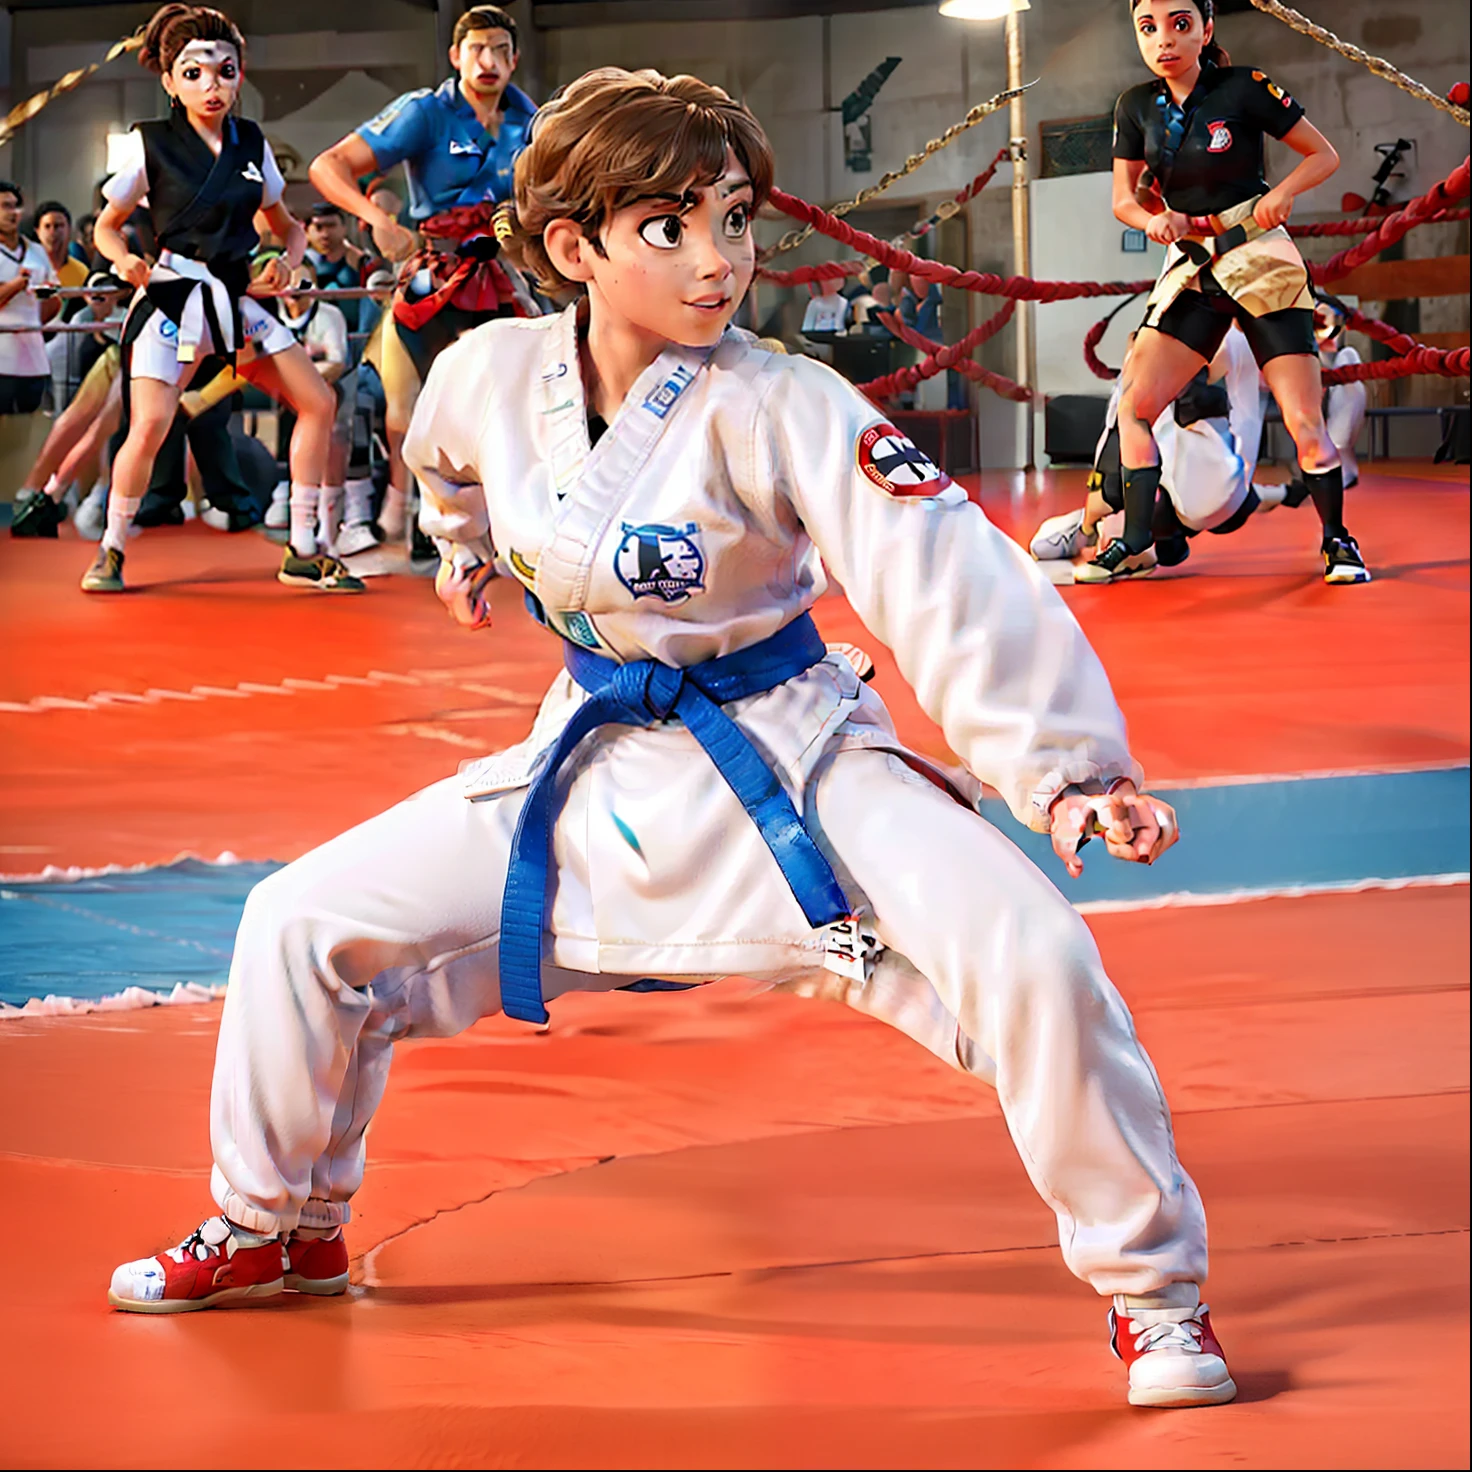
{"points": [[1185, 899]]}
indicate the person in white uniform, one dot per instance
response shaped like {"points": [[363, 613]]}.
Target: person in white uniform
{"points": [[706, 789], [25, 370], [207, 176], [1208, 441]]}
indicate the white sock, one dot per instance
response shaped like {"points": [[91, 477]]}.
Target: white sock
{"points": [[98, 494], [392, 517], [304, 520], [243, 1238], [281, 493], [358, 502], [120, 513], [54, 489], [329, 516], [1169, 1305]]}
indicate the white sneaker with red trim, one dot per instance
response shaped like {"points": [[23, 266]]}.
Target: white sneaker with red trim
{"points": [[208, 1268], [1172, 1354]]}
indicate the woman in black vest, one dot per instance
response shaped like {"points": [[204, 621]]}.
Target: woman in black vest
{"points": [[209, 177], [1188, 170]]}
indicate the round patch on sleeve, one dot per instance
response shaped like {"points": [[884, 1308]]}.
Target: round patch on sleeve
{"points": [[892, 461]]}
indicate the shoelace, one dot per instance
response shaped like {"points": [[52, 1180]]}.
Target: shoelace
{"points": [[1185, 1335], [195, 1246]]}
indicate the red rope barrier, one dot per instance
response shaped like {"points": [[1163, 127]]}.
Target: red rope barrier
{"points": [[1445, 363], [969, 192], [940, 357], [822, 271], [1095, 335], [837, 270], [1457, 185], [1366, 227], [1019, 288]]}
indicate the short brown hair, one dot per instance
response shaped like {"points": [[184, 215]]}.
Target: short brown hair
{"points": [[173, 27], [613, 137], [483, 18]]}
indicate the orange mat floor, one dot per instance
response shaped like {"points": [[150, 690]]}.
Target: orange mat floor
{"points": [[721, 1229]]}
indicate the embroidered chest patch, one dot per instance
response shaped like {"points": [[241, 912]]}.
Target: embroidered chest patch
{"points": [[896, 465], [664, 562], [1221, 138]]}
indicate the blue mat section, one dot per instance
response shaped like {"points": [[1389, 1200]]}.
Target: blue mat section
{"points": [[1277, 835], [90, 937]]}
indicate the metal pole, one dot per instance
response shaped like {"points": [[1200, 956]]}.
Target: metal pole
{"points": [[1021, 232]]}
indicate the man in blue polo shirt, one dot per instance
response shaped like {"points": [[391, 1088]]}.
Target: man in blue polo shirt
{"points": [[458, 144]]}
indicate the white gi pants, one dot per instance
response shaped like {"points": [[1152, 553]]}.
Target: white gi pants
{"points": [[391, 931]]}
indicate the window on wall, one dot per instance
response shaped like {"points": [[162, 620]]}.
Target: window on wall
{"points": [[1077, 146]]}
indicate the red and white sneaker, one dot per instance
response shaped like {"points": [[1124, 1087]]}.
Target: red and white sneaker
{"points": [[1173, 1356], [317, 1265], [208, 1268]]}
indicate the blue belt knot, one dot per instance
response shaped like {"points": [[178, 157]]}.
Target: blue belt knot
{"points": [[640, 693]]}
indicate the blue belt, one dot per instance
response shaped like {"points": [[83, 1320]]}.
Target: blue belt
{"points": [[641, 693]]}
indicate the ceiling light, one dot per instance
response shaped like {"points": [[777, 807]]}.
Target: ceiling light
{"points": [[982, 9]]}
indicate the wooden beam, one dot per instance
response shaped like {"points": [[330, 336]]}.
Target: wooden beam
{"points": [[1445, 340], [1387, 281]]}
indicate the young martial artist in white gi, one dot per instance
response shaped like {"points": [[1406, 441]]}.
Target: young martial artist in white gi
{"points": [[706, 789]]}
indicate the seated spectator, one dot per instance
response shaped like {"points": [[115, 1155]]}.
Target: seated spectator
{"points": [[336, 261], [827, 311], [53, 228], [25, 370], [322, 330], [73, 354], [83, 247]]}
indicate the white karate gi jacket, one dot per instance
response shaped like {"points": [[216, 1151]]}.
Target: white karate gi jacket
{"points": [[699, 525]]}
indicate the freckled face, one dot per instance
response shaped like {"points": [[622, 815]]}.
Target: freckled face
{"points": [[1171, 35], [677, 268], [205, 78]]}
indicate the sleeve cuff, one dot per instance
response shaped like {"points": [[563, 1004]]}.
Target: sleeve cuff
{"points": [[1085, 777]]}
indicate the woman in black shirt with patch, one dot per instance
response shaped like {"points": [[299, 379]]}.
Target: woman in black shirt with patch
{"points": [[1188, 170]]}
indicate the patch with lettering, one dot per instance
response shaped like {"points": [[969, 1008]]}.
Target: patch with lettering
{"points": [[659, 401], [896, 465], [658, 561]]}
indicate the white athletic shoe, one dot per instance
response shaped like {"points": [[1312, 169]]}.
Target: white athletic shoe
{"points": [[91, 518], [1173, 1356], [278, 513], [1061, 538], [1269, 498], [355, 537]]}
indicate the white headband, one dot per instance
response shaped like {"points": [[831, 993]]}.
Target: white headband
{"points": [[211, 53]]}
